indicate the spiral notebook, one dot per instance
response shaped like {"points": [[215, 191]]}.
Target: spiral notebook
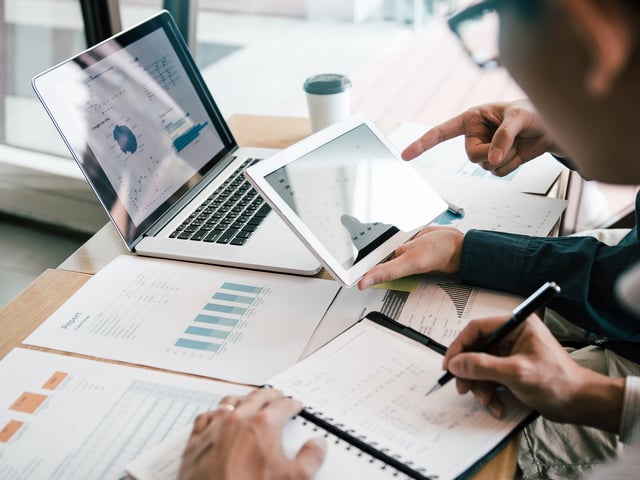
{"points": [[368, 387], [365, 391]]}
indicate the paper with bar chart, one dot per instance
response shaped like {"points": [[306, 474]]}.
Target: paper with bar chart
{"points": [[108, 413], [438, 306], [219, 322]]}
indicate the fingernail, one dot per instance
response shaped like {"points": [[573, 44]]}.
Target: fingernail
{"points": [[495, 156], [365, 283]]}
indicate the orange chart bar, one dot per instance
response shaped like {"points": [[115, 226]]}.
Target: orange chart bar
{"points": [[54, 381], [28, 402], [9, 430]]}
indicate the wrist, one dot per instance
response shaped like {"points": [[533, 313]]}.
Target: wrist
{"points": [[596, 401], [456, 254]]}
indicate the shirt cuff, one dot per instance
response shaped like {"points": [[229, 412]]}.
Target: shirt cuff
{"points": [[630, 422]]}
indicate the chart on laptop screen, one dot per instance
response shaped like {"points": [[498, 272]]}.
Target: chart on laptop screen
{"points": [[147, 127]]}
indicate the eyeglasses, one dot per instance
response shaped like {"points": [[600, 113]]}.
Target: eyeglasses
{"points": [[477, 29]]}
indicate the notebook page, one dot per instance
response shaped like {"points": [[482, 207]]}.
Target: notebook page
{"points": [[373, 381]]}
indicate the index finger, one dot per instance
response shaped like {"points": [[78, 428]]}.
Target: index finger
{"points": [[452, 128]]}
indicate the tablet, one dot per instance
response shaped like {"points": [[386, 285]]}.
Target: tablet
{"points": [[348, 195]]}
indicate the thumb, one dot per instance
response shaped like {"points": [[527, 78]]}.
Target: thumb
{"points": [[395, 268], [482, 366], [505, 136], [311, 456]]}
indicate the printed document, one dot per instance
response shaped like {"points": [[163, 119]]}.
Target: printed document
{"points": [[63, 417], [438, 306], [225, 323], [498, 209]]}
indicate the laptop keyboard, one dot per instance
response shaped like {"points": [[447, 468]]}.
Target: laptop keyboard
{"points": [[230, 215]]}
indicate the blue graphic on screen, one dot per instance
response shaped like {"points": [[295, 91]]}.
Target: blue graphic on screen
{"points": [[181, 142], [125, 138]]}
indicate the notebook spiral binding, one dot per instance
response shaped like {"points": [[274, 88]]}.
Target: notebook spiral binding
{"points": [[360, 441]]}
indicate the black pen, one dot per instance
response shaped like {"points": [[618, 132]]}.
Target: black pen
{"points": [[537, 300]]}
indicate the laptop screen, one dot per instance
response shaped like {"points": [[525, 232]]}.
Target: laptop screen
{"points": [[137, 117]]}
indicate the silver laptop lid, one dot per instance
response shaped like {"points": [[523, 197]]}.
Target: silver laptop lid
{"points": [[139, 120]]}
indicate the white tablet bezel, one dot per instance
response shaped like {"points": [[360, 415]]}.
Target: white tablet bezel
{"points": [[346, 276]]}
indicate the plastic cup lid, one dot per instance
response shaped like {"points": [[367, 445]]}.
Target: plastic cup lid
{"points": [[327, 83]]}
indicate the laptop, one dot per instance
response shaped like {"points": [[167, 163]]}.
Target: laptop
{"points": [[142, 125]]}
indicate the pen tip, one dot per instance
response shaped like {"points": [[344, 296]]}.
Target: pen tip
{"points": [[434, 387]]}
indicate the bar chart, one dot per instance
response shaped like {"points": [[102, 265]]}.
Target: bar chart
{"points": [[222, 318], [219, 322], [183, 140]]}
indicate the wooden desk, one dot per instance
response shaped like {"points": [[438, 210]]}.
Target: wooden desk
{"points": [[40, 299]]}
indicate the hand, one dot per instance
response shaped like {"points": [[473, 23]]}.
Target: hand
{"points": [[246, 443], [433, 249], [499, 136], [538, 371]]}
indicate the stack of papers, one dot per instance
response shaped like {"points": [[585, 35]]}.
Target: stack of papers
{"points": [[514, 203]]}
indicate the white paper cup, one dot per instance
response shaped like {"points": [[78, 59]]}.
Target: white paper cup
{"points": [[328, 99]]}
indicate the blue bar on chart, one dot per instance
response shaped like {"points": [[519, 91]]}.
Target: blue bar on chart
{"points": [[238, 287], [230, 297], [196, 345], [215, 307], [221, 316], [215, 320], [182, 141], [207, 332]]}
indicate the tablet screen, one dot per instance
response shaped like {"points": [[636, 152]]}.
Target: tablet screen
{"points": [[351, 193]]}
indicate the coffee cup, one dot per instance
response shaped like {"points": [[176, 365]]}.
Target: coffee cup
{"points": [[328, 99]]}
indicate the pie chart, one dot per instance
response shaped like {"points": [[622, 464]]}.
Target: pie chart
{"points": [[125, 138]]}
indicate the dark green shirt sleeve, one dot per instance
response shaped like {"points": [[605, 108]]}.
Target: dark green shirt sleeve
{"points": [[585, 269]]}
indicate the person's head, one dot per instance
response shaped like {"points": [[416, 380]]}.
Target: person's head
{"points": [[579, 63]]}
